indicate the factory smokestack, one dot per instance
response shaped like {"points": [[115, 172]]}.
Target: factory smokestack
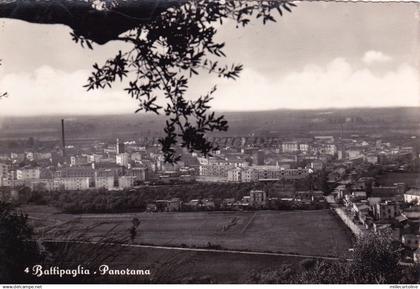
{"points": [[63, 140]]}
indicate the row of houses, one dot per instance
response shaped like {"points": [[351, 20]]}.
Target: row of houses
{"points": [[234, 173], [256, 199], [391, 212], [259, 173], [75, 178], [100, 181]]}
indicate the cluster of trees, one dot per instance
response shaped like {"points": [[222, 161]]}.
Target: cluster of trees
{"points": [[292, 205], [21, 250], [135, 199], [16, 249], [375, 260], [101, 201]]}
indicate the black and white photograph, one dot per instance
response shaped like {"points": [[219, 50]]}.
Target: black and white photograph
{"points": [[209, 142]]}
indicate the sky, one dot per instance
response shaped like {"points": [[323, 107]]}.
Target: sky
{"points": [[322, 55]]}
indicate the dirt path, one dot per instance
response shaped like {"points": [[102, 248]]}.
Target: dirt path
{"points": [[201, 250]]}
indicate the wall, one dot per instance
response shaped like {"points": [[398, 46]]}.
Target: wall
{"points": [[348, 222]]}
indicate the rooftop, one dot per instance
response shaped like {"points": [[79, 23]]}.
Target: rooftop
{"points": [[415, 192]]}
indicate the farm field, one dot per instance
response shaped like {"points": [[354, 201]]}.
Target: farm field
{"points": [[303, 232]]}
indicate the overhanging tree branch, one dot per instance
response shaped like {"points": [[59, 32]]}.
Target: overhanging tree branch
{"points": [[172, 41]]}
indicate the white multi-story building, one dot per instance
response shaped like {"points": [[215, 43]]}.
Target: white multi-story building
{"points": [[316, 165], [62, 183], [257, 198], [290, 147], [136, 156], [372, 159], [329, 149], [120, 147], [104, 182], [304, 147], [411, 240], [412, 195], [216, 169], [94, 158], [235, 175], [78, 160], [29, 156], [138, 172], [76, 183], [386, 210], [104, 179], [258, 173], [354, 154], [4, 173], [42, 156], [28, 173], [122, 159], [125, 182]]}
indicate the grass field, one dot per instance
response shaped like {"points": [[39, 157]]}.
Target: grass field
{"points": [[303, 232], [171, 266]]}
